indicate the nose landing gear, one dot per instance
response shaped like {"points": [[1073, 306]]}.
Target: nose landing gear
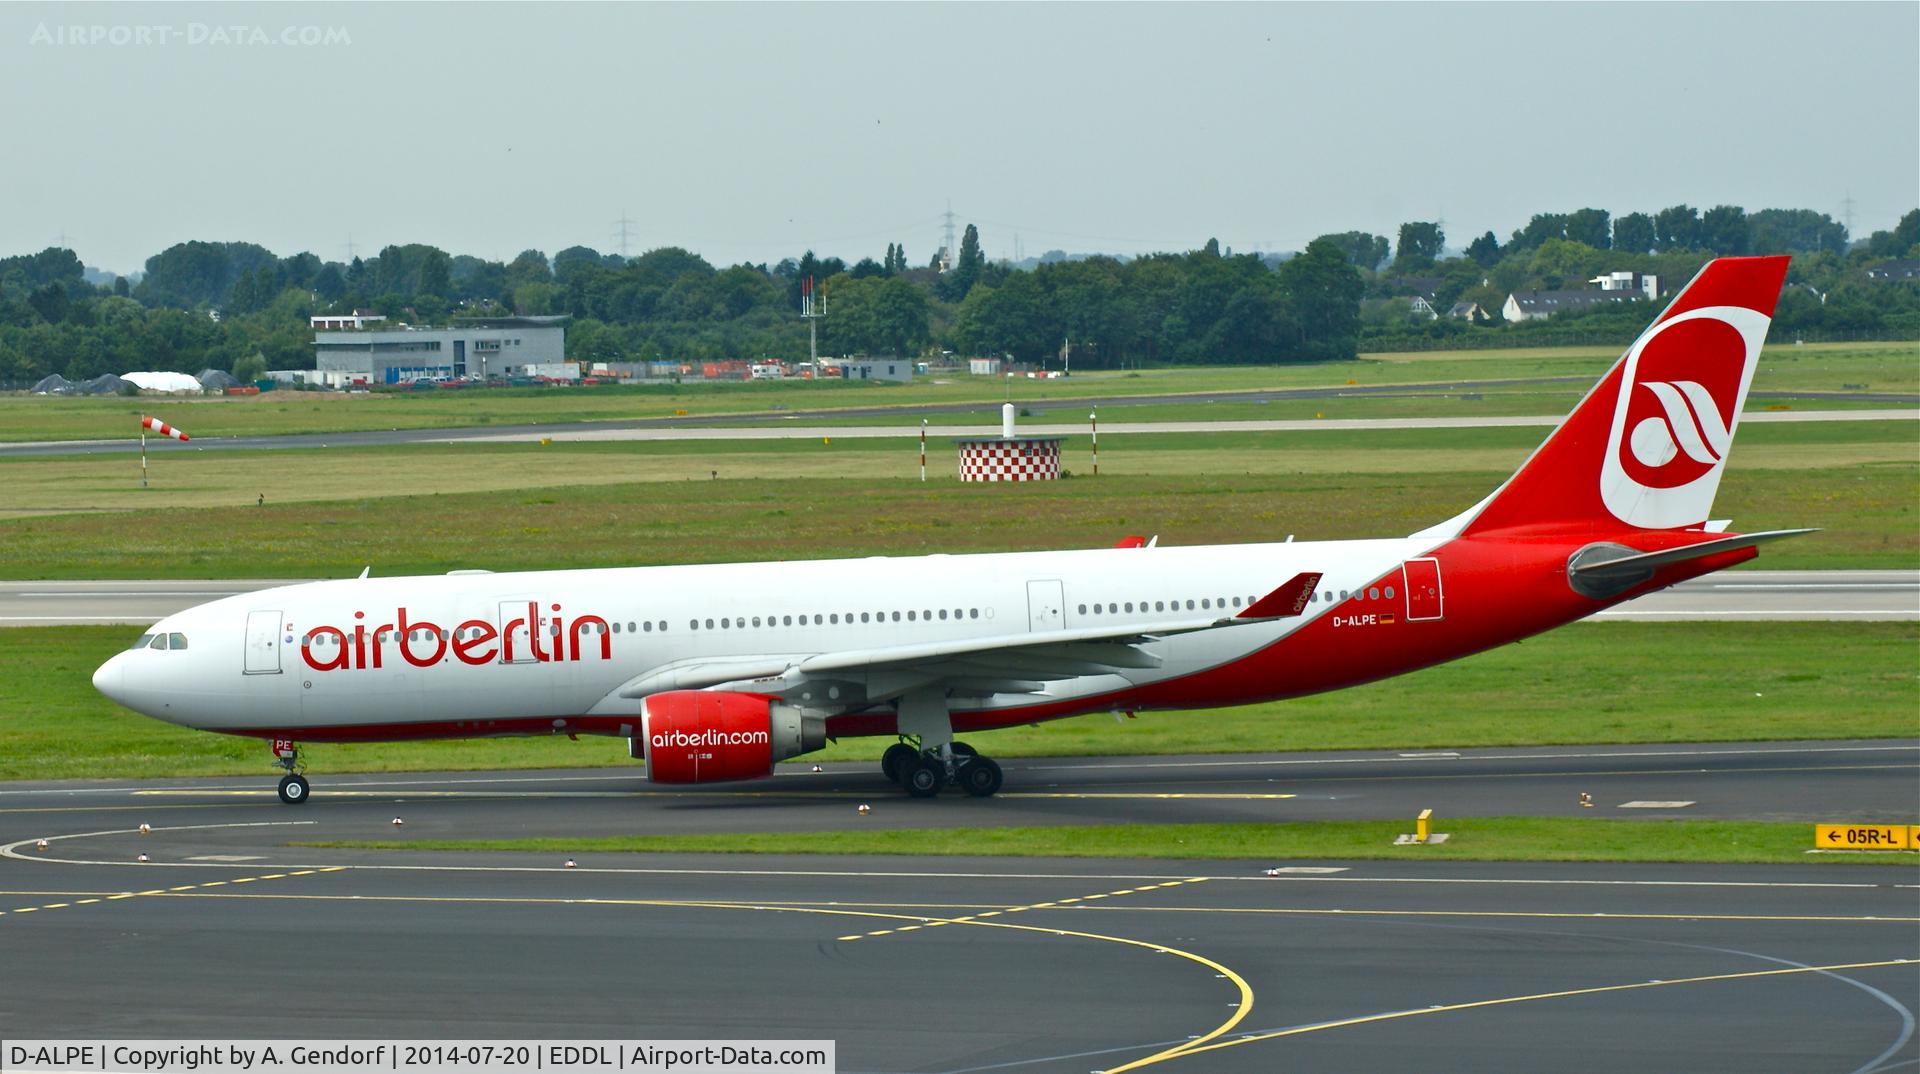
{"points": [[293, 785]]}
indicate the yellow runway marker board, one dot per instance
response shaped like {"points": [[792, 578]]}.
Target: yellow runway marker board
{"points": [[1865, 836]]}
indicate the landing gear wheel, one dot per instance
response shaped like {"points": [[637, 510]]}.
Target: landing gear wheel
{"points": [[894, 762], [961, 749], [293, 790], [980, 777], [925, 777]]}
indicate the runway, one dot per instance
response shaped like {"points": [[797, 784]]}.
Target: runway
{"points": [[1897, 407], [1850, 596], [973, 964], [1120, 428]]}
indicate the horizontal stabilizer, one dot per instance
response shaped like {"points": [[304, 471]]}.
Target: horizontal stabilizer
{"points": [[1602, 563], [1288, 600]]}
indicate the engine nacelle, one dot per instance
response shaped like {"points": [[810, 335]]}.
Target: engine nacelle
{"points": [[701, 736]]}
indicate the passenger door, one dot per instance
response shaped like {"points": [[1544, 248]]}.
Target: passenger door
{"points": [[263, 643], [1046, 606], [1424, 595]]}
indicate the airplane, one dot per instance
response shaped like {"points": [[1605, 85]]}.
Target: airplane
{"points": [[716, 672]]}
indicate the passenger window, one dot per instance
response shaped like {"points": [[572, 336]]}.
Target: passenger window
{"points": [[756, 620], [1236, 602], [1373, 592], [896, 617], [663, 626], [1189, 605], [1205, 603], [943, 613], [973, 613], [909, 616], [863, 616], [1129, 606], [1389, 592]]}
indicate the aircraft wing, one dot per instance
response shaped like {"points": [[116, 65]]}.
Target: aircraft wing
{"points": [[1004, 663]]}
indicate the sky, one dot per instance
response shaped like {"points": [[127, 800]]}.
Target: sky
{"points": [[751, 132]]}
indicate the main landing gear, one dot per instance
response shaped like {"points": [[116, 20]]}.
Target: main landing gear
{"points": [[925, 773], [927, 759], [293, 785]]}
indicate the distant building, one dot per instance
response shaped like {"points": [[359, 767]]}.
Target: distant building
{"points": [[1532, 305], [477, 347], [983, 367], [1629, 281], [1894, 270], [336, 322], [1422, 306], [1469, 311], [899, 369]]}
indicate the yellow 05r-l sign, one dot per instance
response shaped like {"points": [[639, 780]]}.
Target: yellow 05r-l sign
{"points": [[1867, 836]]}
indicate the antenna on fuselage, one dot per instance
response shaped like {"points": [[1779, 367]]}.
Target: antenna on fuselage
{"points": [[366, 570]]}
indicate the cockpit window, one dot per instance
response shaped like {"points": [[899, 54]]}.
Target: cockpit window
{"points": [[177, 641], [159, 642], [142, 643]]}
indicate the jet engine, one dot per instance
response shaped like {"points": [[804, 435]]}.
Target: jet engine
{"points": [[701, 736]]}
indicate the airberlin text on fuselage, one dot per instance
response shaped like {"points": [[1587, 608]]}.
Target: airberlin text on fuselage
{"points": [[423, 643]]}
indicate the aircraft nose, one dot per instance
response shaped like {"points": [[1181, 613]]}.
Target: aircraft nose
{"points": [[111, 678]]}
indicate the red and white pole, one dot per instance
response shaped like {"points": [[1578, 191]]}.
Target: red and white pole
{"points": [[1095, 419], [923, 449], [143, 450]]}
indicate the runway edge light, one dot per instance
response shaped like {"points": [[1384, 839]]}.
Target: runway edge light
{"points": [[1423, 833]]}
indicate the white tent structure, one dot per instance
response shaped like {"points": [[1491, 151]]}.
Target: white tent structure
{"points": [[162, 382]]}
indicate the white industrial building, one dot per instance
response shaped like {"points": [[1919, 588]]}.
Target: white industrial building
{"points": [[476, 347]]}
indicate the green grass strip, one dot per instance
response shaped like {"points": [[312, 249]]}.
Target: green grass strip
{"points": [[1471, 839]]}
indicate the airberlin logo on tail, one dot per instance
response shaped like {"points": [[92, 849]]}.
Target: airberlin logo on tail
{"points": [[1689, 423], [1680, 395], [525, 637]]}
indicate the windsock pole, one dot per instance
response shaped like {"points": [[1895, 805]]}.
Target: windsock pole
{"points": [[1095, 419], [158, 426]]}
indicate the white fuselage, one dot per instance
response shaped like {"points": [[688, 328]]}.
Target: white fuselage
{"points": [[330, 655]]}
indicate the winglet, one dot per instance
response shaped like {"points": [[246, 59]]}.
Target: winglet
{"points": [[1288, 600]]}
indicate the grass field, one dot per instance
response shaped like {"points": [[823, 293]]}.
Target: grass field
{"points": [[517, 506], [1882, 367], [1586, 683], [1470, 839]]}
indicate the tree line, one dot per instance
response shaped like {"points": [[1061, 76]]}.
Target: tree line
{"points": [[207, 304]]}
